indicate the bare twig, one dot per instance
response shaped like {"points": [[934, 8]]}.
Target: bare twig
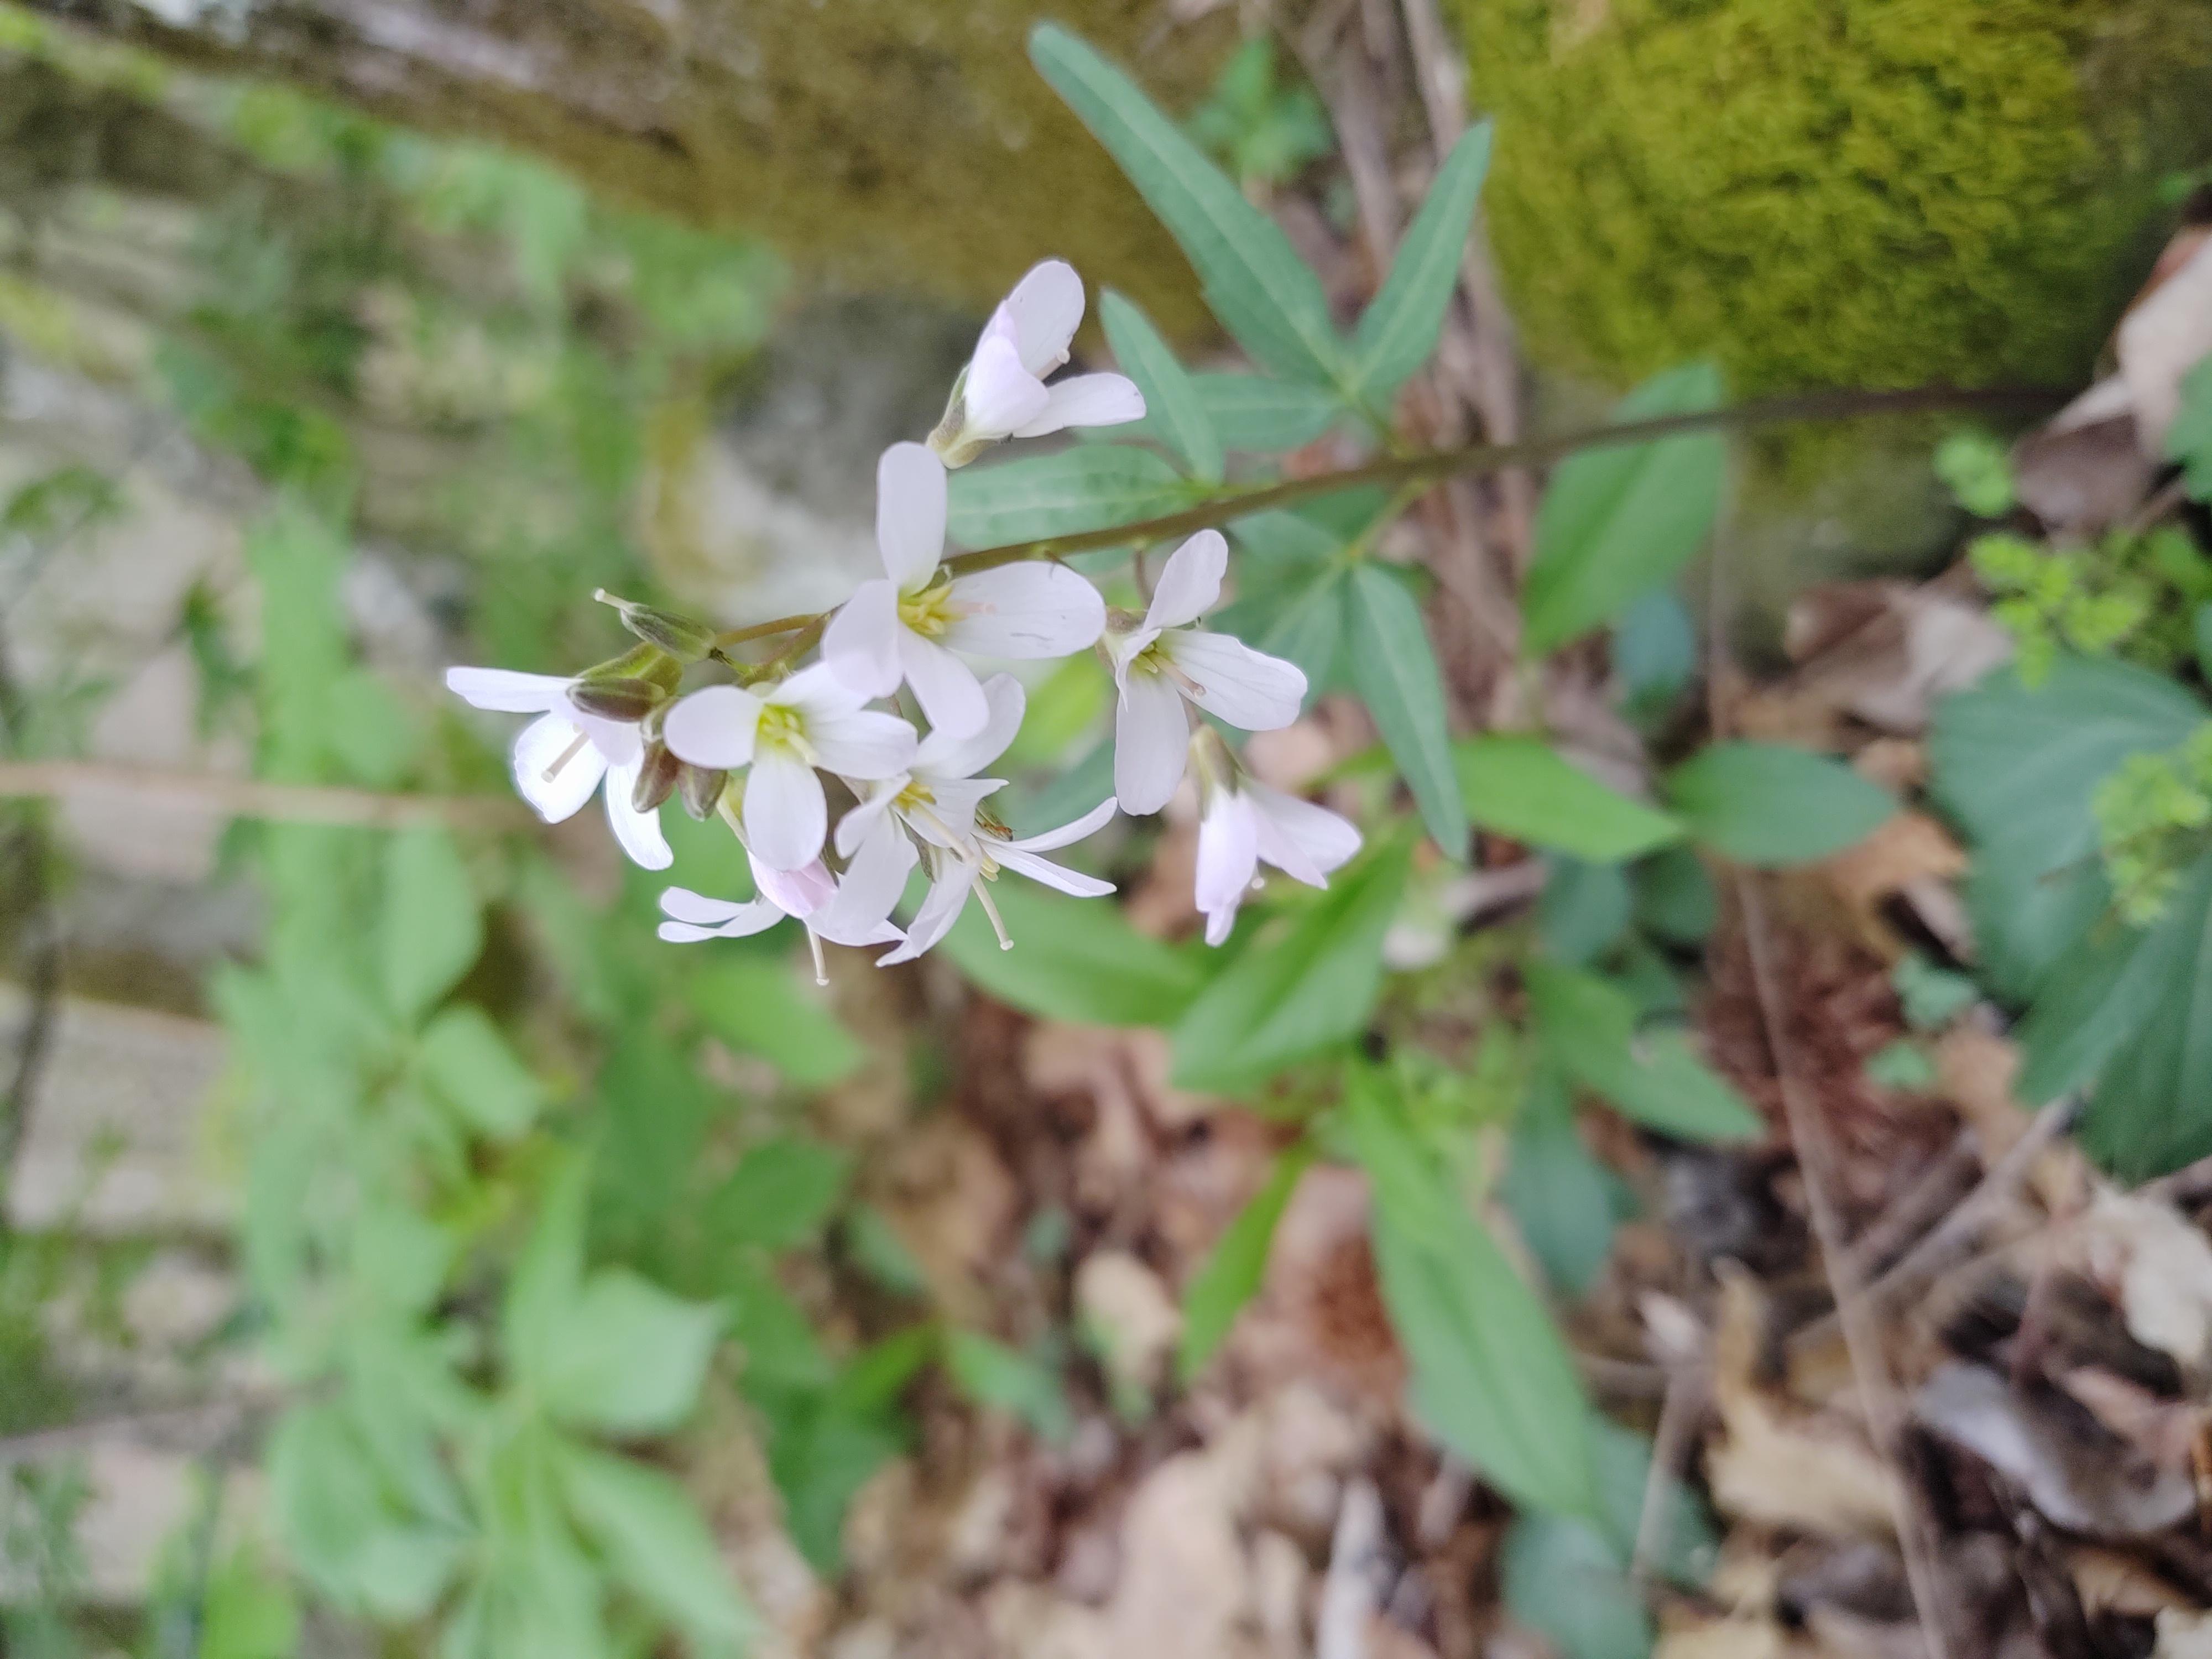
{"points": [[255, 798], [1352, 1590], [1688, 1389]]}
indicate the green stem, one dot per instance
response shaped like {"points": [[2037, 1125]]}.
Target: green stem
{"points": [[763, 630]]}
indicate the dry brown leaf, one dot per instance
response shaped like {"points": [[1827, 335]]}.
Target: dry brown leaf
{"points": [[1129, 1311], [2161, 1267], [953, 1204], [2166, 333], [1187, 1589], [2110, 1582], [1883, 651], [1911, 855], [1723, 1638]]}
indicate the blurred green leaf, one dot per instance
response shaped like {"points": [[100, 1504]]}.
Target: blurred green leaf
{"points": [[1583, 909], [758, 1005], [1395, 673], [1230, 1274], [992, 1374], [339, 1525], [1589, 1029], [247, 1612], [430, 931], [1561, 1576], [781, 1194], [1088, 486], [1901, 1065], [1770, 805], [1263, 292], [1931, 997], [2189, 440], [1521, 786], [649, 1530], [1655, 652], [1399, 327], [1674, 896], [470, 1066], [778, 1346], [1172, 402], [1618, 521], [543, 1284], [625, 1356], [1075, 959], [1565, 1202], [1266, 417]]}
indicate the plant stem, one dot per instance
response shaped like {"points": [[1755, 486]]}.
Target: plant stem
{"points": [[763, 630]]}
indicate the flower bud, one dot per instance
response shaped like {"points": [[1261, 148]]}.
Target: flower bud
{"points": [[648, 663], [625, 700], [952, 441], [685, 640], [700, 787], [657, 773]]}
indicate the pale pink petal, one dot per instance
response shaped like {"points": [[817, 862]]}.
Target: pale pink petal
{"points": [[1068, 834], [1190, 581], [1045, 309], [865, 813], [797, 892], [1086, 400], [867, 743], [1050, 874], [786, 813], [946, 687], [507, 693], [910, 509], [713, 728], [873, 884], [860, 645], [1228, 853], [948, 896], [1230, 680], [556, 767], [1000, 395], [942, 756], [1029, 609], [1152, 743], [1304, 840], [639, 833]]}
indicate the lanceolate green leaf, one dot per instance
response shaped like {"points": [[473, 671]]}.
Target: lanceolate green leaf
{"points": [[1172, 406], [1230, 1274], [1263, 292], [1076, 960], [1618, 522], [1266, 416], [1089, 487], [1770, 804], [1400, 328], [430, 929], [1523, 787], [650, 1533], [1589, 1028], [1395, 673]]}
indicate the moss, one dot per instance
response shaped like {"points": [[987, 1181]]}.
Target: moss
{"points": [[1833, 192]]}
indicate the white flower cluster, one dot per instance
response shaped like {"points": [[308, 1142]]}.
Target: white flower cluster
{"points": [[757, 751]]}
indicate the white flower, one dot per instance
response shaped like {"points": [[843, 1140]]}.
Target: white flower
{"points": [[853, 911], [563, 755], [937, 796], [1246, 824], [813, 718], [1164, 660], [907, 626], [1002, 394], [955, 871]]}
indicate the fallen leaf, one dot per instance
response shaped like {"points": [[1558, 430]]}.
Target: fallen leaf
{"points": [[1910, 855], [2162, 1268], [1131, 1313], [2164, 334], [1883, 651]]}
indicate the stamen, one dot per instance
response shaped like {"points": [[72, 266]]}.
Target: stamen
{"points": [[983, 894], [821, 968], [567, 754], [1191, 688]]}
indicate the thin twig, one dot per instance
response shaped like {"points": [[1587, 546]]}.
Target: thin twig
{"points": [[1688, 1389], [256, 798]]}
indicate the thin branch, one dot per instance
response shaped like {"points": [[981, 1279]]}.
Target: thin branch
{"points": [[255, 798], [762, 630]]}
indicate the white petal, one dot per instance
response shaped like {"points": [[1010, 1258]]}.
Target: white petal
{"points": [[555, 745], [942, 756], [638, 832], [1045, 308], [759, 917], [1068, 834], [1220, 923], [713, 728], [1228, 853], [797, 892], [1304, 840], [860, 645], [1247, 688], [619, 742], [866, 812], [1152, 743], [786, 812], [868, 743], [949, 818], [1086, 400], [1190, 581], [948, 898], [817, 689], [700, 910], [873, 886], [1033, 609], [947, 689], [694, 917], [1000, 395], [1051, 874], [910, 508], [506, 692]]}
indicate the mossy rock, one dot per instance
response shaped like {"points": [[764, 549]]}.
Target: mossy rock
{"points": [[1833, 192]]}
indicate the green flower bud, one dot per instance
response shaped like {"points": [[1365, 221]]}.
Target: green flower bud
{"points": [[681, 637], [700, 788], [657, 773], [614, 699]]}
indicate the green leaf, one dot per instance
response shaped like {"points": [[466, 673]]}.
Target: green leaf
{"points": [[992, 1374], [1931, 997], [1288, 996], [1770, 805], [247, 1612], [1565, 1203], [781, 1195], [2189, 440], [1089, 487], [338, 1524], [430, 931], [1266, 417], [470, 1067], [1655, 652], [1561, 1576], [759, 1006], [1523, 787], [1394, 672], [1617, 522], [1172, 407], [547, 1273], [777, 1345], [1230, 1274], [1400, 328], [1674, 896], [1588, 1027], [820, 1457], [1263, 293], [1584, 910], [1074, 959], [625, 1356], [649, 1531]]}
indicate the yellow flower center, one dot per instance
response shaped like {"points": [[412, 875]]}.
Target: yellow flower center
{"points": [[781, 725], [913, 797], [930, 612]]}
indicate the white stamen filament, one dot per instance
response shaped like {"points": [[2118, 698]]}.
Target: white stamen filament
{"points": [[567, 754], [990, 909], [821, 968]]}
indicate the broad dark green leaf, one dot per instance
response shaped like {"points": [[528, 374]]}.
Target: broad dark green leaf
{"points": [[430, 931], [1617, 522], [1290, 994], [1229, 1276], [1090, 487], [1769, 805], [1400, 328], [469, 1066], [1263, 293], [1565, 1203], [783, 1193], [1584, 910], [651, 1534], [1395, 673], [1523, 787], [992, 1374], [1074, 959], [758, 1005], [1264, 417], [625, 1356], [1589, 1029], [1172, 406], [1674, 896]]}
